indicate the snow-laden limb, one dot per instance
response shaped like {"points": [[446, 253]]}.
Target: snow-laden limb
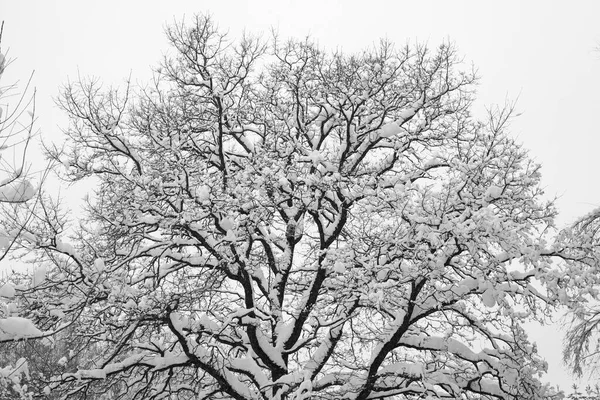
{"points": [[102, 373]]}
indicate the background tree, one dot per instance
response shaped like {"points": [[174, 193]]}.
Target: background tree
{"points": [[17, 117], [16, 132], [591, 393], [581, 351], [272, 221], [44, 358]]}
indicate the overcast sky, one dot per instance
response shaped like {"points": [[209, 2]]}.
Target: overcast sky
{"points": [[542, 52]]}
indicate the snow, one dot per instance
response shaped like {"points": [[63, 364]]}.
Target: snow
{"points": [[488, 298], [284, 183], [249, 365], [130, 304], [227, 224], [284, 331], [391, 129], [414, 370], [99, 265], [17, 192], [169, 358], [57, 313], [110, 368], [464, 286], [409, 112], [493, 192], [17, 328], [339, 267], [273, 354], [314, 156], [202, 193], [93, 373], [246, 142], [208, 323], [491, 387], [230, 237], [319, 356], [149, 219], [179, 321], [31, 238], [434, 161], [66, 248], [241, 388], [7, 290]]}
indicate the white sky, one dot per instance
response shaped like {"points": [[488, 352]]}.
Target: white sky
{"points": [[543, 52]]}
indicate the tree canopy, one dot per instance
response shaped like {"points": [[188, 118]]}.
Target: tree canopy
{"points": [[274, 221]]}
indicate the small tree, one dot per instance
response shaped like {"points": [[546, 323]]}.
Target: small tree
{"points": [[272, 221]]}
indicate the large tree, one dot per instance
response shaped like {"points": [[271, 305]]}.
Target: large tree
{"points": [[274, 221]]}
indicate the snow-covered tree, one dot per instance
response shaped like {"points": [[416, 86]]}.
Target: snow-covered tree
{"points": [[274, 221], [582, 342], [17, 116], [16, 131]]}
